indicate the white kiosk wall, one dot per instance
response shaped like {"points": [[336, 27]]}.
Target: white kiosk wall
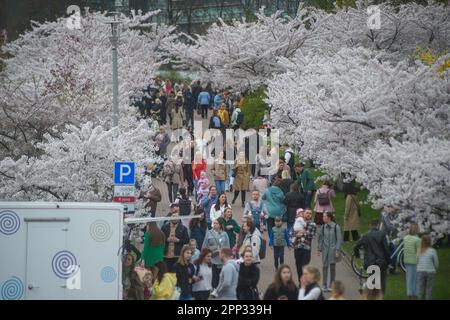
{"points": [[60, 250]]}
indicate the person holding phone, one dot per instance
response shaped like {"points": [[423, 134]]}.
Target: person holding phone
{"points": [[203, 275]]}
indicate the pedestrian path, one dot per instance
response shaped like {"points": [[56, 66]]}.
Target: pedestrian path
{"points": [[344, 272]]}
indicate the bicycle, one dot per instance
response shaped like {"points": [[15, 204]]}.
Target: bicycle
{"points": [[397, 256]]}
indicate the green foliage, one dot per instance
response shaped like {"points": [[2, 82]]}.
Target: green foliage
{"points": [[166, 72], [326, 5], [253, 109], [342, 4]]}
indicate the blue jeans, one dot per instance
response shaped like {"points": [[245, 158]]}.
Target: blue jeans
{"points": [[230, 180], [278, 255], [220, 186], [195, 188], [411, 279], [186, 297]]}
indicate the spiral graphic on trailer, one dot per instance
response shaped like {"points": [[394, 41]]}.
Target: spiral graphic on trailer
{"points": [[9, 222], [108, 274], [12, 289], [100, 230], [62, 263]]}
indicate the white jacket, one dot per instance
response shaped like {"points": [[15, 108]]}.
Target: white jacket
{"points": [[205, 284], [253, 240], [214, 215]]}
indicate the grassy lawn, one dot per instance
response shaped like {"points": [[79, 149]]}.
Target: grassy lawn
{"points": [[396, 284]]}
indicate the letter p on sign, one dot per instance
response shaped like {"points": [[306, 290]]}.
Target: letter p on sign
{"points": [[124, 173]]}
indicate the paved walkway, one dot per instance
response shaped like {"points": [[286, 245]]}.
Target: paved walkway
{"points": [[343, 270]]}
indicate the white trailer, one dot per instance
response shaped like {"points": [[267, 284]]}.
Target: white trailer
{"points": [[60, 250]]}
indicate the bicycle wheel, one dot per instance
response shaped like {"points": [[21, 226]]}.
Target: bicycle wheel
{"points": [[358, 265], [401, 261]]}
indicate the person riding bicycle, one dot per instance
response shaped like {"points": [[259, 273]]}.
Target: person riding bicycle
{"points": [[376, 250]]}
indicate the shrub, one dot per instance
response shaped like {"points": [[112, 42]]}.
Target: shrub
{"points": [[253, 109]]}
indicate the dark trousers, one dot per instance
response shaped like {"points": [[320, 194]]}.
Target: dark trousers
{"points": [[302, 258], [355, 235], [236, 194], [278, 255], [383, 278], [172, 188], [204, 108], [170, 262], [201, 295], [187, 171], [270, 224], [308, 199], [164, 115], [190, 117], [215, 275]]}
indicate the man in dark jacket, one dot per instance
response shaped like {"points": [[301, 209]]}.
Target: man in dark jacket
{"points": [[306, 182], [176, 237], [376, 250], [189, 106]]}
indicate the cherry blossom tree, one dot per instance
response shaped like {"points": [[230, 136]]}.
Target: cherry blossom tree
{"points": [[77, 166], [344, 107], [244, 54], [402, 29], [58, 76]]}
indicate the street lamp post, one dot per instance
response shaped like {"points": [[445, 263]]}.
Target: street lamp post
{"points": [[114, 42]]}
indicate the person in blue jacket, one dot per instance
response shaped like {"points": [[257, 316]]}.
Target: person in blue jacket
{"points": [[217, 100], [274, 198], [204, 100]]}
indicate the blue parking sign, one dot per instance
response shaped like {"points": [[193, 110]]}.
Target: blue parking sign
{"points": [[124, 173]]}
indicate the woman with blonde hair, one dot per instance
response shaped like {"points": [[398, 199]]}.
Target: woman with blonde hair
{"points": [[309, 284], [185, 272], [411, 243], [427, 265]]}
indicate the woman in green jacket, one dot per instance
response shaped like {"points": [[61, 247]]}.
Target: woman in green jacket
{"points": [[411, 244], [154, 241], [230, 226]]}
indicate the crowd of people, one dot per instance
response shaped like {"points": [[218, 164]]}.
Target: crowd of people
{"points": [[218, 253]]}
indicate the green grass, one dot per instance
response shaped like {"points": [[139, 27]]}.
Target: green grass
{"points": [[253, 110]]}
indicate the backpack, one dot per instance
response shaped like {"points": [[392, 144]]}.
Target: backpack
{"points": [[323, 198], [185, 206], [256, 213], [240, 118], [212, 125]]}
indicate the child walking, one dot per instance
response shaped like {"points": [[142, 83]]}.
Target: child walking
{"points": [[278, 239]]}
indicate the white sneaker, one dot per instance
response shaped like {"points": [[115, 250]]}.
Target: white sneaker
{"points": [[214, 293]]}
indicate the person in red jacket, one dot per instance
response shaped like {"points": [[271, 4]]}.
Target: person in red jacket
{"points": [[198, 165]]}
